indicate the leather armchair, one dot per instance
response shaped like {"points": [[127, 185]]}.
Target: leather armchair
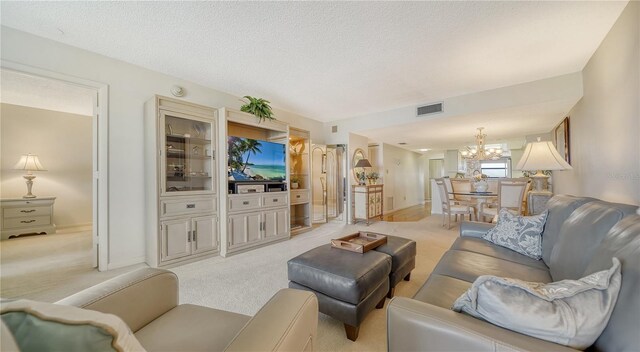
{"points": [[147, 300]]}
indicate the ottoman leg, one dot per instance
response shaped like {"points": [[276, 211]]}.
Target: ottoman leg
{"points": [[352, 331], [380, 304], [408, 277]]}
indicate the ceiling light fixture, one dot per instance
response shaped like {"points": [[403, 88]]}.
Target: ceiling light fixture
{"points": [[479, 152]]}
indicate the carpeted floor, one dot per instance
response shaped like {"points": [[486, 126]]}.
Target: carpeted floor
{"points": [[244, 282], [49, 268]]}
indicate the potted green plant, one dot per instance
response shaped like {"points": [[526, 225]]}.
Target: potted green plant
{"points": [[294, 182], [258, 107]]}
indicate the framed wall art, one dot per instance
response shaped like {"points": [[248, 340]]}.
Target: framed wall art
{"points": [[560, 137]]}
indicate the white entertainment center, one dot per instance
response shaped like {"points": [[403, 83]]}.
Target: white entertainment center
{"points": [[195, 209]]}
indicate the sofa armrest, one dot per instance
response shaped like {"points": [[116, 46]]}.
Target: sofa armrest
{"points": [[137, 297], [474, 228], [288, 322], [417, 326]]}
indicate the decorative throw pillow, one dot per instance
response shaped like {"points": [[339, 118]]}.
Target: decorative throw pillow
{"points": [[522, 234], [40, 326], [568, 312]]}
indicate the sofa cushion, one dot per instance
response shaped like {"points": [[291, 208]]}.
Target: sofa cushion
{"points": [[568, 312], [479, 245], [581, 234], [181, 329], [41, 326], [560, 208], [519, 233], [622, 242], [469, 266], [441, 290]]}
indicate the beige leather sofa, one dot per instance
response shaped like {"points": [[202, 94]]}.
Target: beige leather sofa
{"points": [[581, 236], [147, 301]]}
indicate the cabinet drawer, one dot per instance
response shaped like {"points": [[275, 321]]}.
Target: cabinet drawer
{"points": [[298, 197], [244, 203], [187, 206], [26, 212], [27, 221], [275, 200]]}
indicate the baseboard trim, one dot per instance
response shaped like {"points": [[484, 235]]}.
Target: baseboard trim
{"points": [[88, 226], [408, 206], [121, 264]]}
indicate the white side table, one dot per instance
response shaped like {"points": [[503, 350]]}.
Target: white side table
{"points": [[25, 216], [537, 201]]}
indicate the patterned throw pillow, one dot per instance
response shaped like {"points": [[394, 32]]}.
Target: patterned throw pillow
{"points": [[522, 234], [569, 312]]}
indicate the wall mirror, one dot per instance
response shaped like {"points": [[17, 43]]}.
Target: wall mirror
{"points": [[358, 155]]}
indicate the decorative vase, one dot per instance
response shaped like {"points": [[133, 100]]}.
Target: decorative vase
{"points": [[481, 186], [294, 185]]}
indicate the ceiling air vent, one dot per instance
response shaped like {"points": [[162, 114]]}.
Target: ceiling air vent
{"points": [[429, 109]]}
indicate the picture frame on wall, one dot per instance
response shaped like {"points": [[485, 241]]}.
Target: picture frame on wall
{"points": [[561, 139]]}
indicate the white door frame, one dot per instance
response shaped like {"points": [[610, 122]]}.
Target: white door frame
{"points": [[100, 153]]}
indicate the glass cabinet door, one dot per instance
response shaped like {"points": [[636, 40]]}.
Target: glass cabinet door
{"points": [[188, 161]]}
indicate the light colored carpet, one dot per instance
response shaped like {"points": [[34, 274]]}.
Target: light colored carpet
{"points": [[243, 283], [49, 268]]}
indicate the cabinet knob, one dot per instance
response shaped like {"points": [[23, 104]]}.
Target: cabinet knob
{"points": [[298, 196], [275, 200], [27, 221], [27, 211], [191, 206], [246, 202]]}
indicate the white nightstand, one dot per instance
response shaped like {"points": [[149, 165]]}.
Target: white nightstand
{"points": [[24, 216]]}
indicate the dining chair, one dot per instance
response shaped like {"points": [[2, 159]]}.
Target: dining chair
{"points": [[461, 185], [449, 207], [510, 196]]}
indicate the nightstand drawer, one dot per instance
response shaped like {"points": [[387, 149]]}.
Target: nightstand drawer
{"points": [[26, 212], [27, 221]]}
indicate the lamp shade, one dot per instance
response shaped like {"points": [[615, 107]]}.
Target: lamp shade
{"points": [[363, 163], [29, 162], [542, 156]]}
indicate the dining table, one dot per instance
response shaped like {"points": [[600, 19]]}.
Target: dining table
{"points": [[480, 197]]}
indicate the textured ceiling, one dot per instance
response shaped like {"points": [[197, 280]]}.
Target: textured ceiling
{"points": [[457, 131], [333, 60], [43, 93]]}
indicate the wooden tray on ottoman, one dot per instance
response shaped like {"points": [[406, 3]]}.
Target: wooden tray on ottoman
{"points": [[359, 242]]}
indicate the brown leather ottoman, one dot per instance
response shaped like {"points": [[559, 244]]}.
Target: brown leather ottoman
{"points": [[403, 259], [348, 285]]}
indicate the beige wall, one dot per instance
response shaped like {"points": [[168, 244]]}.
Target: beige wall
{"points": [[403, 175], [63, 144], [130, 86], [605, 124]]}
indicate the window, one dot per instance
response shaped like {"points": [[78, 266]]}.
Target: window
{"points": [[496, 168]]}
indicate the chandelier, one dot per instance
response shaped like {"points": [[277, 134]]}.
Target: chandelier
{"points": [[479, 152]]}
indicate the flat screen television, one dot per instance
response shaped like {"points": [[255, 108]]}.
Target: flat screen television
{"points": [[255, 160]]}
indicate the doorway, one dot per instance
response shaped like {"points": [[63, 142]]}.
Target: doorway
{"points": [[328, 170], [436, 170], [51, 92]]}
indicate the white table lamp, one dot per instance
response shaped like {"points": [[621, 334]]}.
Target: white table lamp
{"points": [[540, 156], [29, 162]]}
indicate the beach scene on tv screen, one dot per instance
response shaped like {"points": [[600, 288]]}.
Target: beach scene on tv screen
{"points": [[255, 160]]}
